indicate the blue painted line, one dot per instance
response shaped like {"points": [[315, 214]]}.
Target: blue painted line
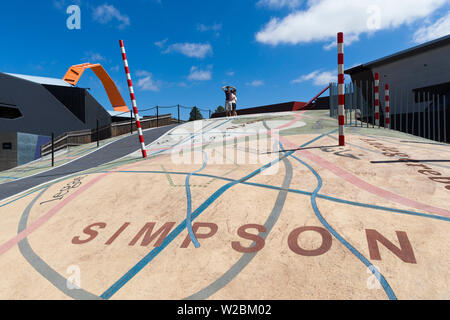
{"points": [[325, 197], [9, 178], [387, 288], [26, 195], [150, 256], [189, 202]]}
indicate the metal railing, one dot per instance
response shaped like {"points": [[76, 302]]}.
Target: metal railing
{"points": [[420, 113]]}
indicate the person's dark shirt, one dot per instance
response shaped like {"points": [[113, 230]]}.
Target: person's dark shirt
{"points": [[228, 95]]}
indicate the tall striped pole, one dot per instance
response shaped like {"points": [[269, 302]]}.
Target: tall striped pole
{"points": [[133, 99], [341, 92], [377, 99], [387, 116]]}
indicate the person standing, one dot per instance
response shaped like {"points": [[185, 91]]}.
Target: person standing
{"points": [[228, 99], [234, 102]]}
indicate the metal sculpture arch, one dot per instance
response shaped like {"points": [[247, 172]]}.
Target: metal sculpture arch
{"points": [[75, 72]]}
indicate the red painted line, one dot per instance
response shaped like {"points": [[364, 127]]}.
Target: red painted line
{"points": [[367, 186]]}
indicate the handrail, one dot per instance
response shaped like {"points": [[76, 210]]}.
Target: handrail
{"points": [[312, 100]]}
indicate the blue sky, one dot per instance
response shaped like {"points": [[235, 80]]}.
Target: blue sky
{"points": [[182, 52]]}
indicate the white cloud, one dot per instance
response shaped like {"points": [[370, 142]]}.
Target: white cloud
{"points": [[93, 57], [255, 83], [161, 44], [199, 74], [193, 50], [146, 81], [323, 19], [116, 68], [230, 73], [107, 13], [277, 4], [436, 30], [319, 78], [214, 27]]}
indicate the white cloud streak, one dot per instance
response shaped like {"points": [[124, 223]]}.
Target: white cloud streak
{"points": [[146, 82], [323, 19], [192, 50], [436, 30], [278, 4], [107, 13], [319, 78], [255, 83], [197, 74], [214, 27]]}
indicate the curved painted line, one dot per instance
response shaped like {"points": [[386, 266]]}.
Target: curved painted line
{"points": [[152, 254], [387, 288], [189, 203], [349, 177], [41, 266], [325, 197], [246, 258]]}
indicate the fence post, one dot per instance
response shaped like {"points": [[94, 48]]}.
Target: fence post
{"points": [[434, 117], [407, 116], [341, 80], [398, 100], [422, 105], [98, 136], [210, 114], [157, 116], [429, 115], [445, 120], [53, 149], [367, 104], [439, 118], [178, 107], [351, 102], [131, 121], [413, 119], [387, 121], [331, 102]]}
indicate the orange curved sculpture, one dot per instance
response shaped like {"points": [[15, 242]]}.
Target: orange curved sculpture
{"points": [[75, 72]]}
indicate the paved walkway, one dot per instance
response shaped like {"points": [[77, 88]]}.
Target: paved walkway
{"points": [[111, 152]]}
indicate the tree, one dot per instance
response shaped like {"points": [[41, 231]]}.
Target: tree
{"points": [[195, 114], [219, 109]]}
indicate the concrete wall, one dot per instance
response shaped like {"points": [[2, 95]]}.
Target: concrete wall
{"points": [[8, 158], [25, 148]]}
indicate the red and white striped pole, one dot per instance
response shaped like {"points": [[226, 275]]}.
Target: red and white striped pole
{"points": [[133, 99], [388, 107], [341, 89], [377, 99]]}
